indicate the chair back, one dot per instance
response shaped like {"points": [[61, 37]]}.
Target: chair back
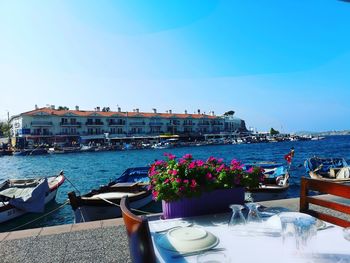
{"points": [[140, 242], [341, 205]]}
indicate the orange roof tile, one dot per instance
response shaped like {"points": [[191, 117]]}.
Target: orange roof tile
{"points": [[83, 113]]}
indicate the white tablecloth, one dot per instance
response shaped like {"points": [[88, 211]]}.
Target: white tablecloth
{"points": [[328, 245]]}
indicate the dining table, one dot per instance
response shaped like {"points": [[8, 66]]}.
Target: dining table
{"points": [[252, 242]]}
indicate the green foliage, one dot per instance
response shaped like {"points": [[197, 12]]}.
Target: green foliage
{"points": [[62, 108], [5, 129], [274, 132], [228, 113]]}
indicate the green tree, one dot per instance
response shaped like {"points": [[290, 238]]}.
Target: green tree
{"points": [[5, 129], [62, 108], [231, 112], [273, 131]]}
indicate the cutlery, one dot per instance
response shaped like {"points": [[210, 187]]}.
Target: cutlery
{"points": [[187, 254], [326, 227], [173, 227]]}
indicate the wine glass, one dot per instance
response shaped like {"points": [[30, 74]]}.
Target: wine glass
{"points": [[237, 218], [253, 214]]}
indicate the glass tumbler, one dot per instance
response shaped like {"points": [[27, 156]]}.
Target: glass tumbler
{"points": [[237, 219], [253, 214]]}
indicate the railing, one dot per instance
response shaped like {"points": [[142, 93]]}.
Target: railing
{"points": [[68, 133], [111, 123], [94, 123], [156, 124], [137, 123], [41, 123], [41, 133], [188, 124], [70, 123]]}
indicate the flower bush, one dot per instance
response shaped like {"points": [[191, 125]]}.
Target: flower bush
{"points": [[172, 179]]}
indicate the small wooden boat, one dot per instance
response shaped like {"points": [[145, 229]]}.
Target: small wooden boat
{"points": [[20, 196], [103, 203], [330, 169], [275, 185]]}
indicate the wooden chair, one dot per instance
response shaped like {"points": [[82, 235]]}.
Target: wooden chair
{"points": [[140, 242], [325, 187]]}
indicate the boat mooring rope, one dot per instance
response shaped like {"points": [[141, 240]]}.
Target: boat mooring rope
{"points": [[117, 205], [40, 217]]}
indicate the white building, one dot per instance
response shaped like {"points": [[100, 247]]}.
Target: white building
{"points": [[52, 125]]}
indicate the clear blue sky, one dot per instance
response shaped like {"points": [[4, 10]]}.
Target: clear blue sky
{"points": [[281, 64]]}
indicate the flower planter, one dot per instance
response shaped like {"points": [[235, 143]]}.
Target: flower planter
{"points": [[217, 201]]}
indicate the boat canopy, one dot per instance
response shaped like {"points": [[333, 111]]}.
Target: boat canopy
{"points": [[135, 174], [28, 196], [324, 164]]}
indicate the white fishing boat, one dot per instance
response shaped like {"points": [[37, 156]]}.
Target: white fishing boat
{"points": [[329, 169], [275, 185], [21, 196], [103, 203]]}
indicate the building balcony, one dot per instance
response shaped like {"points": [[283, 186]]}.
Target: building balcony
{"points": [[173, 124], [203, 124], [116, 123], [188, 124], [156, 124], [94, 123], [69, 133], [41, 123], [70, 124], [137, 123], [41, 133]]}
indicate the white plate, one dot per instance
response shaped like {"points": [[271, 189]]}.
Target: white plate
{"points": [[162, 226], [187, 239]]}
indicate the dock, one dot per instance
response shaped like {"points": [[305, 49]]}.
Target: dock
{"points": [[97, 241]]}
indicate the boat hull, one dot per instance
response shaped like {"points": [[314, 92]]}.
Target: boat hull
{"points": [[8, 212], [86, 213]]}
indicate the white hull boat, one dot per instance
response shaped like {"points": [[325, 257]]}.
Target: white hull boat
{"points": [[20, 196]]}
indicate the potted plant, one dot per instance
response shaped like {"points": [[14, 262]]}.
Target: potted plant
{"points": [[189, 187]]}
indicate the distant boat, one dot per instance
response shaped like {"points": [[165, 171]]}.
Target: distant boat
{"points": [[103, 203], [20, 196], [331, 169], [275, 185], [25, 152]]}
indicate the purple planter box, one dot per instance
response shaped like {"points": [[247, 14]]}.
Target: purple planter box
{"points": [[217, 201]]}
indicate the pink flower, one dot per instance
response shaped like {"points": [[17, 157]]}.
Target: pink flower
{"points": [[154, 194], [236, 165], [186, 181], [170, 156], [182, 161], [220, 168], [211, 159], [200, 163], [159, 163], [250, 170], [178, 180], [193, 183], [181, 188], [187, 156], [220, 160], [192, 165], [209, 176], [173, 172], [166, 181]]}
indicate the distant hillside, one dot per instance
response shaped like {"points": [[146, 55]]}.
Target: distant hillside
{"points": [[323, 133]]}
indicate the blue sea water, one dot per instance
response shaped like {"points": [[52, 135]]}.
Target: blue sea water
{"points": [[89, 170]]}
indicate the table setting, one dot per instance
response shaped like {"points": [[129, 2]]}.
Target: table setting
{"points": [[250, 234]]}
